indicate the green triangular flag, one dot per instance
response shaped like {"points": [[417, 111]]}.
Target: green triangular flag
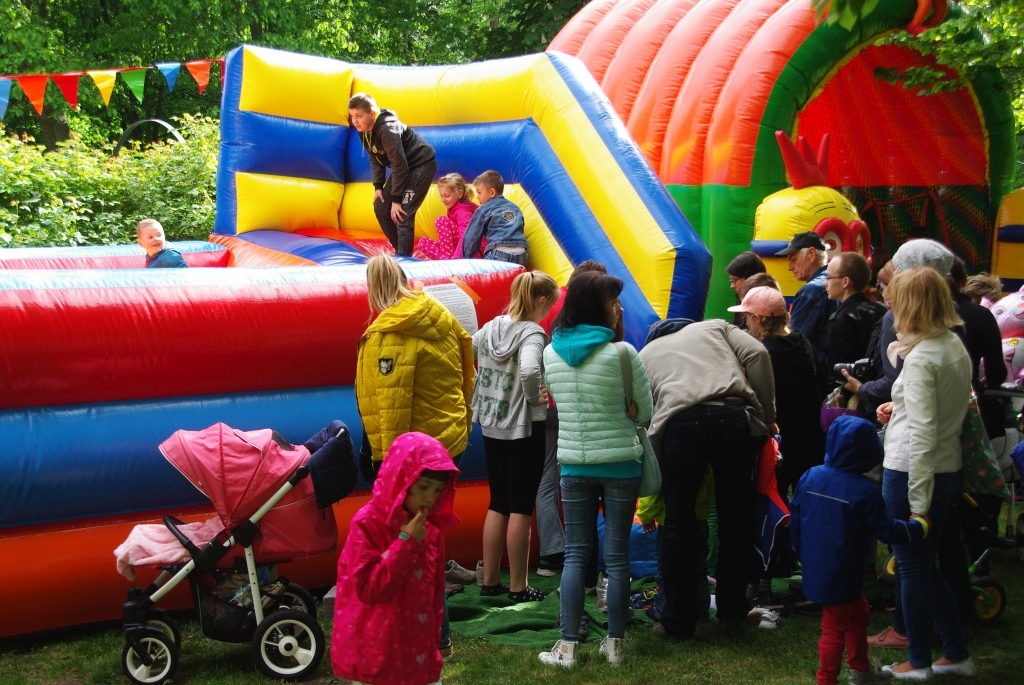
{"points": [[135, 79]]}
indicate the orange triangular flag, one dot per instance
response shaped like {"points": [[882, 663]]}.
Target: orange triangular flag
{"points": [[200, 70], [135, 79], [68, 84], [104, 80], [34, 88]]}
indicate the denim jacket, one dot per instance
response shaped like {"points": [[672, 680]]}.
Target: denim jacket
{"points": [[811, 311], [500, 221]]}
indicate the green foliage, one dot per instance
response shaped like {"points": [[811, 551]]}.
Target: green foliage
{"points": [[80, 195]]}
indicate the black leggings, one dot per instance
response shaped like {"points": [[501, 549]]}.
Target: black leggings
{"points": [[514, 470]]}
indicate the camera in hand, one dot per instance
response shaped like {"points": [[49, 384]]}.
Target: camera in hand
{"points": [[858, 369]]}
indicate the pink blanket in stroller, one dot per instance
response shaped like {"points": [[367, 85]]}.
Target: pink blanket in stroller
{"points": [[152, 544]]}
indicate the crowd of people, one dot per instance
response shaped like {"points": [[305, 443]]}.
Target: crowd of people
{"points": [[546, 385], [558, 396]]}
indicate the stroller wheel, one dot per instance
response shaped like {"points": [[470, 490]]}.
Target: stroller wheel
{"points": [[288, 645], [989, 599], [155, 618], [158, 650], [298, 598]]}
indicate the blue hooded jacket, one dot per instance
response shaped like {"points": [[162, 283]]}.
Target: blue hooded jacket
{"points": [[835, 511]]}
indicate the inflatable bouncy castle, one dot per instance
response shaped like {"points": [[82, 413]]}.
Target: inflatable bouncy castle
{"points": [[101, 360], [703, 87]]}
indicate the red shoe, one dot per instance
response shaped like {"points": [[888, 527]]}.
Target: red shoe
{"points": [[888, 639]]}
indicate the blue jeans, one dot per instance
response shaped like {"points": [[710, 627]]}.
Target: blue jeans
{"points": [[925, 597], [580, 498]]}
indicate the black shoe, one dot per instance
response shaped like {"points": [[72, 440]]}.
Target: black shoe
{"points": [[493, 590], [529, 594]]}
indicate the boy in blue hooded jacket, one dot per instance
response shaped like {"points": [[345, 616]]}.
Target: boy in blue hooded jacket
{"points": [[834, 512]]}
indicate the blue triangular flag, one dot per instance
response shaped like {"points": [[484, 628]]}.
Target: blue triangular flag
{"points": [[5, 95], [170, 71]]}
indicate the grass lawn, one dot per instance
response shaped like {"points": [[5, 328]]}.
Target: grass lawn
{"points": [[786, 655]]}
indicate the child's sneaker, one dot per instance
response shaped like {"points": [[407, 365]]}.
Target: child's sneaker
{"points": [[613, 649], [872, 676], [562, 654]]}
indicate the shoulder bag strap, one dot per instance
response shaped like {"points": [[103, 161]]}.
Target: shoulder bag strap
{"points": [[627, 371]]}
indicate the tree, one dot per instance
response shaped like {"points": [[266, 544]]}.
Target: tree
{"points": [[56, 36]]}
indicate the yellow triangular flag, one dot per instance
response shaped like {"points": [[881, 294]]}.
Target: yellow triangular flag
{"points": [[104, 80]]}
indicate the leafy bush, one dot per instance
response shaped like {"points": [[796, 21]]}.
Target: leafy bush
{"points": [[78, 195]]}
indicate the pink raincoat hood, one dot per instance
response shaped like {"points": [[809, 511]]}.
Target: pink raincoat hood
{"points": [[410, 454]]}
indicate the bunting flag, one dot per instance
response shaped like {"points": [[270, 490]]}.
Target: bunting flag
{"points": [[34, 88], [200, 70], [5, 95], [34, 85], [104, 80], [135, 79], [170, 71], [68, 85]]}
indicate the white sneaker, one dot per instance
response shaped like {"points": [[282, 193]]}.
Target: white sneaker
{"points": [[455, 573], [613, 649], [480, 573], [562, 654], [767, 618]]}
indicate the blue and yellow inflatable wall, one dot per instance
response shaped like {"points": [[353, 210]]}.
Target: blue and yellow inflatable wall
{"points": [[294, 177]]}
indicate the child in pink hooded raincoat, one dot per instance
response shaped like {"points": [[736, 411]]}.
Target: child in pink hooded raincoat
{"points": [[388, 610]]}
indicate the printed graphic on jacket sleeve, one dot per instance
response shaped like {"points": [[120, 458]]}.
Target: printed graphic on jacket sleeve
{"points": [[386, 365]]}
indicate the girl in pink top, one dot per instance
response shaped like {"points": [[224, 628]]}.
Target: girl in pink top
{"points": [[458, 200], [388, 610]]}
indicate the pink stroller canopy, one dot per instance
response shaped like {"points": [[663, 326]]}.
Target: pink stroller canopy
{"points": [[237, 470]]}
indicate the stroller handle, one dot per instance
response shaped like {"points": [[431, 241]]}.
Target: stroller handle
{"points": [[172, 524]]}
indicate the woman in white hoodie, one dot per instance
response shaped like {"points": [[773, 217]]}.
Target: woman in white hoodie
{"points": [[510, 404]]}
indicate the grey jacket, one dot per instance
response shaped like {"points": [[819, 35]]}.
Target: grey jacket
{"points": [[509, 377]]}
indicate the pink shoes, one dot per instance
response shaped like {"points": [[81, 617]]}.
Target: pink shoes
{"points": [[888, 639]]}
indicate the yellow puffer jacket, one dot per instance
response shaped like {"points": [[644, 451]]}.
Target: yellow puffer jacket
{"points": [[415, 373]]}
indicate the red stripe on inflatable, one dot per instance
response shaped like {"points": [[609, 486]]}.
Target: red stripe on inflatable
{"points": [[79, 345]]}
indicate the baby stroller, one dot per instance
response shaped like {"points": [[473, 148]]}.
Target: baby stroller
{"points": [[268, 511]]}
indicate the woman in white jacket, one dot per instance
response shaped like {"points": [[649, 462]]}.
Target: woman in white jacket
{"points": [[922, 476]]}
